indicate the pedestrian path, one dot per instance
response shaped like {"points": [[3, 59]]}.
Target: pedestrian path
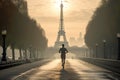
{"points": [[74, 70]]}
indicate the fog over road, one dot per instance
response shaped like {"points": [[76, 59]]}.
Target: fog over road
{"points": [[74, 70]]}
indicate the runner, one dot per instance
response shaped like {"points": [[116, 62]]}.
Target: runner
{"points": [[63, 52]]}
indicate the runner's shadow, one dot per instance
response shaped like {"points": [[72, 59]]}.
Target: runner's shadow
{"points": [[68, 75]]}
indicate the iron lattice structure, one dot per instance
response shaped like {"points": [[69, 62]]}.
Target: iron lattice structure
{"points": [[61, 32]]}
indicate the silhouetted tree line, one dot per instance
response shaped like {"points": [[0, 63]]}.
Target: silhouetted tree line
{"points": [[104, 25], [22, 31]]}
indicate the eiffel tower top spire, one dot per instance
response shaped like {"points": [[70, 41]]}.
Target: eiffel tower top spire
{"points": [[61, 1], [61, 16]]}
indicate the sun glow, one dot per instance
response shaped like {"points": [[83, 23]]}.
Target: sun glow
{"points": [[65, 4], [77, 14]]}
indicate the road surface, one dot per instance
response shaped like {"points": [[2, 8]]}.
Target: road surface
{"points": [[74, 70]]}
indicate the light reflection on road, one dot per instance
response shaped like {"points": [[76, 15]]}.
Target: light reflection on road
{"points": [[74, 70]]}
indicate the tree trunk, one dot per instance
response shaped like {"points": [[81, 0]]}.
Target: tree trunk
{"points": [[25, 54], [20, 54], [13, 53]]}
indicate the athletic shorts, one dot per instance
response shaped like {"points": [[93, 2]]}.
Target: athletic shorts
{"points": [[63, 56]]}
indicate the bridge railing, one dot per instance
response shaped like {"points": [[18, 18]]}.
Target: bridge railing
{"points": [[109, 64], [8, 64], [11, 63]]}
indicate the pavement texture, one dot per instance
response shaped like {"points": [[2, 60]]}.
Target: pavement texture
{"points": [[74, 70]]}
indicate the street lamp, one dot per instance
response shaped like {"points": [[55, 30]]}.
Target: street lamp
{"points": [[4, 32], [104, 46], [96, 50], [118, 36]]}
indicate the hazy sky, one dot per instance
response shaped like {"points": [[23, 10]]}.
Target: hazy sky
{"points": [[77, 14]]}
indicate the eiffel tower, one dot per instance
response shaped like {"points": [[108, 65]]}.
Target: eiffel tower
{"points": [[61, 32]]}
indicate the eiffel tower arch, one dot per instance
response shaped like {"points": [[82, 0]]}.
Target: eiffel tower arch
{"points": [[61, 32]]}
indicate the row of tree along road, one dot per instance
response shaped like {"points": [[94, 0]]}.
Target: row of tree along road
{"points": [[23, 33], [103, 31]]}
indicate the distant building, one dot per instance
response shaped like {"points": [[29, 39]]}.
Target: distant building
{"points": [[22, 6], [80, 37], [72, 41], [77, 42]]}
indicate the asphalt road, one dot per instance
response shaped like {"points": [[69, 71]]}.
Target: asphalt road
{"points": [[74, 70]]}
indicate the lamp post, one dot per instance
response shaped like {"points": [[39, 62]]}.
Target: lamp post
{"points": [[118, 37], [4, 32], [96, 50], [104, 46]]}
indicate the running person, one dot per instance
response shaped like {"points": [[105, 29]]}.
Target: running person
{"points": [[63, 52]]}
